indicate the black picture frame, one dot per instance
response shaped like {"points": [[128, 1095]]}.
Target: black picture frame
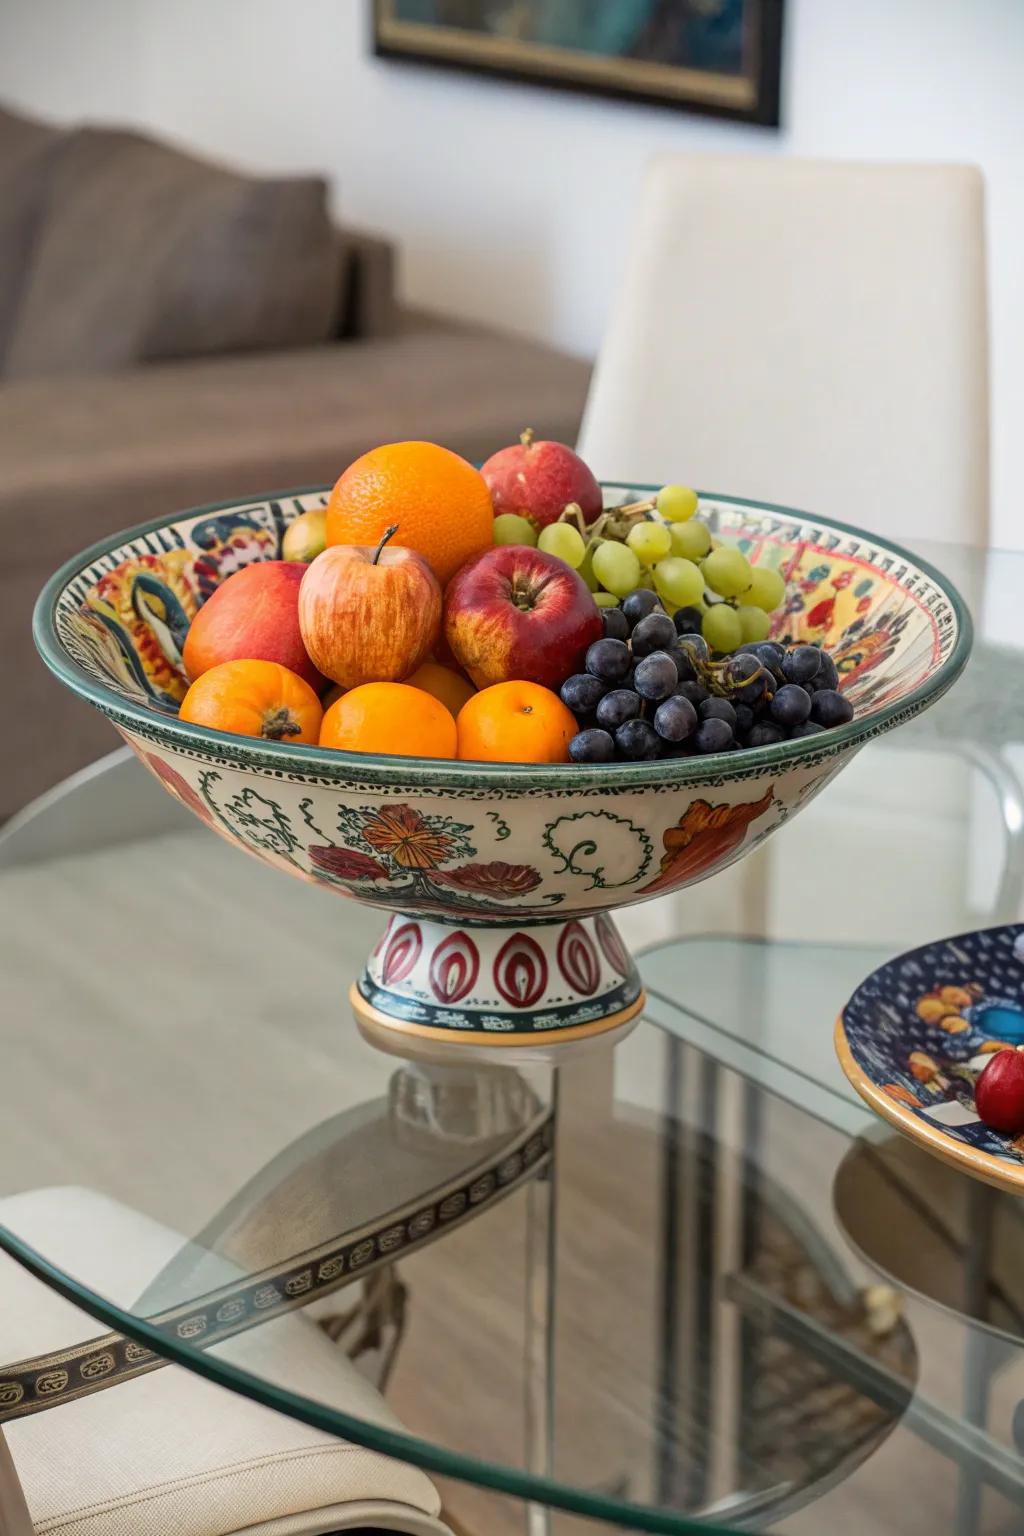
{"points": [[752, 96]]}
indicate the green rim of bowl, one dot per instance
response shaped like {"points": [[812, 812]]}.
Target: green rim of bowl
{"points": [[440, 773]]}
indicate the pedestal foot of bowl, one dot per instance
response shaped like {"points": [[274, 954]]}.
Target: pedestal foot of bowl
{"points": [[496, 986]]}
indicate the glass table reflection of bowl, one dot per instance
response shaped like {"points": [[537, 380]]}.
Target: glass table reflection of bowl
{"points": [[499, 879]]}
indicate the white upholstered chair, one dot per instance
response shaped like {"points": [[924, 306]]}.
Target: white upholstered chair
{"points": [[812, 333], [806, 332], [169, 1454]]}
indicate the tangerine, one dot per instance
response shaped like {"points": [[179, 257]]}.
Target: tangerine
{"points": [[515, 722], [444, 683], [391, 718], [440, 502], [254, 698]]}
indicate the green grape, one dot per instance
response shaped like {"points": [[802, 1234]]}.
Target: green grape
{"points": [[649, 542], [564, 542], [606, 600], [586, 569], [767, 589], [721, 628], [754, 623], [676, 503], [616, 568], [510, 528], [690, 540], [727, 571], [678, 581]]}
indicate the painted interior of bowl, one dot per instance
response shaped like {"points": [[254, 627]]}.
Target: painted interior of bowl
{"points": [[921, 1028], [111, 623]]}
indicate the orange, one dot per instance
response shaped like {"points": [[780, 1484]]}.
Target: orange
{"points": [[515, 723], [254, 698], [392, 718], [440, 502], [445, 683]]}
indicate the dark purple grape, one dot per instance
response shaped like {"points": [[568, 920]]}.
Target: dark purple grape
{"points": [[826, 676], [639, 604], [808, 728], [656, 676], [638, 741], [654, 633], [790, 706], [688, 621], [592, 746], [800, 665], [746, 679], [609, 660], [763, 734], [675, 719], [685, 668], [718, 709], [713, 735], [744, 718], [696, 645], [617, 707], [771, 653], [582, 692], [695, 692], [616, 625], [830, 708]]}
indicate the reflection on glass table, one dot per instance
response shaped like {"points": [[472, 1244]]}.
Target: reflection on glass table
{"points": [[624, 1293]]}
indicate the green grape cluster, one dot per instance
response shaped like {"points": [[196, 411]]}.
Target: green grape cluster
{"points": [[664, 545]]}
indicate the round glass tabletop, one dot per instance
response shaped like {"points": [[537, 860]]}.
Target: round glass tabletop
{"points": [[683, 1283]]}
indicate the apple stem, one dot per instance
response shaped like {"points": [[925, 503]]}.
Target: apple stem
{"points": [[389, 533], [526, 438]]}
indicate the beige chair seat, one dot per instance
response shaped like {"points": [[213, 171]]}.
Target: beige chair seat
{"points": [[170, 1454]]}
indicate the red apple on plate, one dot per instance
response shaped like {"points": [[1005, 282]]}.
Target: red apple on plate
{"points": [[252, 616], [369, 615], [516, 613], [999, 1092], [538, 480]]}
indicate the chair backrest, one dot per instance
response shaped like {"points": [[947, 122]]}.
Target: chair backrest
{"points": [[806, 332]]}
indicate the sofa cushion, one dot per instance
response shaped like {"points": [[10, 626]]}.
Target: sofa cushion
{"points": [[146, 253], [27, 153]]}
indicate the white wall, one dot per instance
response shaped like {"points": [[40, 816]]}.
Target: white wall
{"points": [[512, 203]]}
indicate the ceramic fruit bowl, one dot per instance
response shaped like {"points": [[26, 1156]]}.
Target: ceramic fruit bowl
{"points": [[498, 881], [915, 1036]]}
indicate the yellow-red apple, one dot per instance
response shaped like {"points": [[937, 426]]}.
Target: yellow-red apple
{"points": [[369, 615]]}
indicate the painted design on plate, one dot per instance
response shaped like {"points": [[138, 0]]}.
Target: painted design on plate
{"points": [[577, 959], [924, 1026], [454, 968]]}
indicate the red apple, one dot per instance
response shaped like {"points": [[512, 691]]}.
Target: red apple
{"points": [[369, 615], [999, 1092], [539, 480], [252, 616], [516, 613]]}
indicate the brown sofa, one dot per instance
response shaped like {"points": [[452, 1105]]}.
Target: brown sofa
{"points": [[172, 334]]}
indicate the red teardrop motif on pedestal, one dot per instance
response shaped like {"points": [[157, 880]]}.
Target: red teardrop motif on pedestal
{"points": [[614, 950], [577, 959], [521, 971], [402, 953], [454, 968], [383, 938]]}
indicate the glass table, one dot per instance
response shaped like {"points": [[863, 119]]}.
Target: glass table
{"points": [[688, 1282]]}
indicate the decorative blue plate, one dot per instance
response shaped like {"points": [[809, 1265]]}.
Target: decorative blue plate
{"points": [[916, 1034]]}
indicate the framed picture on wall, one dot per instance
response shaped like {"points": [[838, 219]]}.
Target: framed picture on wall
{"points": [[713, 56]]}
